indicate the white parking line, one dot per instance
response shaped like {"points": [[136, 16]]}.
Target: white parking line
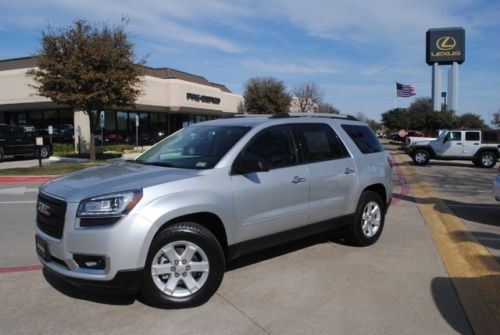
{"points": [[17, 202]]}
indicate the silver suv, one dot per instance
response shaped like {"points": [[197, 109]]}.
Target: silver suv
{"points": [[167, 222]]}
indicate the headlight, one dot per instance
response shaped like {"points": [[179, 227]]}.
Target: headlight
{"points": [[113, 204]]}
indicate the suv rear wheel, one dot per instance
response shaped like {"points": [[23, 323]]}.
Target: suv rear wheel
{"points": [[421, 157], [184, 268], [487, 159], [368, 219]]}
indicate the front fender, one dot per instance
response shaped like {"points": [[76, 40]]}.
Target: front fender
{"points": [[172, 206]]}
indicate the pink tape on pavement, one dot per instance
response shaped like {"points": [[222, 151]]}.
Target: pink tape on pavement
{"points": [[34, 267], [25, 179]]}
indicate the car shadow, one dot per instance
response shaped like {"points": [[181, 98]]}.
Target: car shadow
{"points": [[107, 297], [287, 248], [82, 294], [486, 214]]}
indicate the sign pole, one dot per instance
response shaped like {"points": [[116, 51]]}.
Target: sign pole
{"points": [[436, 87]]}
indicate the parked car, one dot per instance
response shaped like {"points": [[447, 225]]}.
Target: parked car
{"points": [[496, 187], [167, 222], [21, 141], [477, 145]]}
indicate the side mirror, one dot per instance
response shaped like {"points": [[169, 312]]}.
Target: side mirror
{"points": [[245, 164]]}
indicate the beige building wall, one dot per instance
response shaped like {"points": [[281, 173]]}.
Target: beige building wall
{"points": [[15, 88], [165, 95]]}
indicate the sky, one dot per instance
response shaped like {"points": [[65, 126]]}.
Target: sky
{"points": [[354, 50]]}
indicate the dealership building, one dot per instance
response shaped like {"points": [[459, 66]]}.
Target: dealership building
{"points": [[170, 100]]}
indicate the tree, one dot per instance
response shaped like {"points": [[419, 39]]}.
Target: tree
{"points": [[395, 119], [325, 107], [308, 96], [496, 119], [88, 68], [266, 95], [469, 120]]}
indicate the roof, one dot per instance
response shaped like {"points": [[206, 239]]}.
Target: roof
{"points": [[163, 72]]}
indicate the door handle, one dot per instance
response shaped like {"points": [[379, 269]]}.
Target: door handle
{"points": [[348, 171], [298, 180]]}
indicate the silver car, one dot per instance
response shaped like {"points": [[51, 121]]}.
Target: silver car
{"points": [[167, 222]]}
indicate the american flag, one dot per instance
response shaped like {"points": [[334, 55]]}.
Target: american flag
{"points": [[404, 91]]}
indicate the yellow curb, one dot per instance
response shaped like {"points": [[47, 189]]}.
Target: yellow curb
{"points": [[473, 271]]}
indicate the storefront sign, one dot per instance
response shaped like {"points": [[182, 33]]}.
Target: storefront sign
{"points": [[445, 46], [202, 98]]}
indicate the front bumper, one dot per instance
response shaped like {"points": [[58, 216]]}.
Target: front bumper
{"points": [[121, 248]]}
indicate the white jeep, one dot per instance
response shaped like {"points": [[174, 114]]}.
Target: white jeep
{"points": [[479, 146]]}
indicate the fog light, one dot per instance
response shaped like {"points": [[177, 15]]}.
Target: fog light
{"points": [[90, 262]]}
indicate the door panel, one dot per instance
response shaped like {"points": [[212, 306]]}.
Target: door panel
{"points": [[270, 202], [331, 188], [454, 145], [275, 200]]}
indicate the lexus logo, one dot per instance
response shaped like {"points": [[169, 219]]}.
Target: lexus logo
{"points": [[43, 208], [446, 43]]}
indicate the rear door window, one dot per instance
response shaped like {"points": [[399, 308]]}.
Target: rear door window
{"points": [[472, 136], [320, 143], [363, 137]]}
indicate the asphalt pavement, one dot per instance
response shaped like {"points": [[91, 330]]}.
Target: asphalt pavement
{"points": [[314, 286]]}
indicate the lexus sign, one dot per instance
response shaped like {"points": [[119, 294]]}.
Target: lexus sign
{"points": [[445, 46]]}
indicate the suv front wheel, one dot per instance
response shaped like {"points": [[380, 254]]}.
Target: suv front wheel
{"points": [[184, 268], [368, 221]]}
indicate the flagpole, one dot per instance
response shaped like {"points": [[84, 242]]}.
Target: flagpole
{"points": [[396, 96]]}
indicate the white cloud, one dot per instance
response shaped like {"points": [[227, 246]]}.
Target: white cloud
{"points": [[306, 67]]}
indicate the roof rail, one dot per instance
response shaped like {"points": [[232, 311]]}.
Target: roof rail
{"points": [[326, 115]]}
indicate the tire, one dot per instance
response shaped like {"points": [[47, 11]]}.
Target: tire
{"points": [[487, 159], [168, 278], [44, 152], [476, 162], [421, 157], [368, 221]]}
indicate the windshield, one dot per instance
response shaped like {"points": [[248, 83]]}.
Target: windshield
{"points": [[195, 147]]}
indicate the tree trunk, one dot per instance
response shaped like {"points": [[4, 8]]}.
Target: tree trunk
{"points": [[92, 146]]}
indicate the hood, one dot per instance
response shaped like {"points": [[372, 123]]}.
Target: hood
{"points": [[421, 140], [112, 178]]}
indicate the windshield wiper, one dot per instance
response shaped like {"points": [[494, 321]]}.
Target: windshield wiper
{"points": [[163, 164]]}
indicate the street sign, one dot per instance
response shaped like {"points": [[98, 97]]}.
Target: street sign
{"points": [[51, 130], [137, 120], [39, 141]]}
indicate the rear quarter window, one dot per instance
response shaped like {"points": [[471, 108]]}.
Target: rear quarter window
{"points": [[491, 136], [364, 138]]}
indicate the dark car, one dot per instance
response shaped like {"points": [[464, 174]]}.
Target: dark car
{"points": [[21, 141]]}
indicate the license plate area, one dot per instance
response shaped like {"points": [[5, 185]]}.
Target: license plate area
{"points": [[42, 248]]}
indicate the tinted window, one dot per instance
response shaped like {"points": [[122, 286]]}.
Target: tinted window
{"points": [[472, 136], [490, 136], [321, 143], [364, 138], [275, 145], [454, 136]]}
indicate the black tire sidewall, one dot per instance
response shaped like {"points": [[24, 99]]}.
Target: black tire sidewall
{"points": [[356, 232], [202, 237], [484, 154], [424, 152]]}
